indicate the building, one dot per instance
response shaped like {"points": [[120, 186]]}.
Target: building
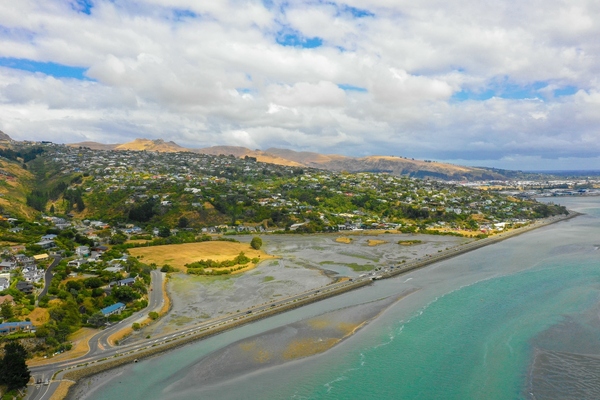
{"points": [[126, 282], [25, 287], [11, 327], [82, 251], [41, 257], [7, 265], [114, 309], [46, 244]]}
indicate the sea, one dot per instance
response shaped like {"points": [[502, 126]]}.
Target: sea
{"points": [[519, 319]]}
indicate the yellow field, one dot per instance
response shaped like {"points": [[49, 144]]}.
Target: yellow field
{"points": [[373, 242], [177, 255]]}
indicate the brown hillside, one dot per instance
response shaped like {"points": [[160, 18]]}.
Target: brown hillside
{"points": [[152, 145], [241, 152]]}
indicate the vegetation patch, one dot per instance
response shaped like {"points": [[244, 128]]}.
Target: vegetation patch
{"points": [[409, 242], [375, 242], [359, 267], [344, 239], [225, 267]]}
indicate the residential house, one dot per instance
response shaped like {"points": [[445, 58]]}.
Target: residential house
{"points": [[50, 236], [7, 265], [82, 251], [11, 327], [40, 257], [114, 309], [25, 287], [46, 244], [126, 282], [76, 263]]}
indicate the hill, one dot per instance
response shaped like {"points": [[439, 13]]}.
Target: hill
{"points": [[330, 162]]}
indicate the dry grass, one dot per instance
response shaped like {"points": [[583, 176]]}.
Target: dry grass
{"points": [[344, 239], [119, 335], [81, 346], [62, 390], [374, 242], [39, 316], [166, 299], [177, 255]]}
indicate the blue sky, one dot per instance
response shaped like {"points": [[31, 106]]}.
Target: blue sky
{"points": [[475, 83]]}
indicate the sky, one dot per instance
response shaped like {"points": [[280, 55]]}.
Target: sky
{"points": [[500, 83]]}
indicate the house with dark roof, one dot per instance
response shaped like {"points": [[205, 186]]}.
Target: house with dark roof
{"points": [[25, 287], [126, 282]]}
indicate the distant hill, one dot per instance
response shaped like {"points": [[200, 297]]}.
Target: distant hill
{"points": [[241, 152], [138, 144], [331, 162], [152, 145]]}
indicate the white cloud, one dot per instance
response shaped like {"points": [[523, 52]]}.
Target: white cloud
{"points": [[211, 72]]}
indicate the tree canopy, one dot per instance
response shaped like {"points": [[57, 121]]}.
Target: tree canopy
{"points": [[13, 370]]}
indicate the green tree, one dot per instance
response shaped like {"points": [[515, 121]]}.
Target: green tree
{"points": [[164, 232], [98, 319], [6, 310], [13, 370], [153, 315], [183, 222], [256, 243]]}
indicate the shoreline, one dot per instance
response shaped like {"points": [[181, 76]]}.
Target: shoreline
{"points": [[87, 371]]}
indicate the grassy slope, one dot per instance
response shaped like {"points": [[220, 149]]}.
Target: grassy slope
{"points": [[14, 189]]}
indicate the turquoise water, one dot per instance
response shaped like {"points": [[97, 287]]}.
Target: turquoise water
{"points": [[470, 332]]}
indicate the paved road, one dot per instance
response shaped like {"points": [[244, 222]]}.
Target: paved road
{"points": [[99, 346], [48, 275]]}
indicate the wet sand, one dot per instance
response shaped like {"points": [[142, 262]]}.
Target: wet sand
{"points": [[284, 344], [305, 262]]}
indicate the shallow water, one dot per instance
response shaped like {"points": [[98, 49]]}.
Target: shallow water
{"points": [[517, 319]]}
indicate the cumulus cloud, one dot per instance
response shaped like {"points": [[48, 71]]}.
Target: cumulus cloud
{"points": [[499, 83]]}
